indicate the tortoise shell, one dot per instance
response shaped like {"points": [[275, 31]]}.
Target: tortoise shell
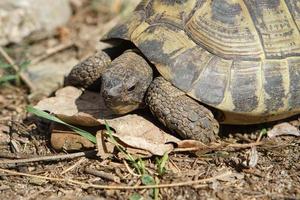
{"points": [[239, 56]]}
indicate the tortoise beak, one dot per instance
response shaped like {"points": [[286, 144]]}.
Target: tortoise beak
{"points": [[117, 104], [124, 109]]}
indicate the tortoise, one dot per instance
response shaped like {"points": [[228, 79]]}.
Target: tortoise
{"points": [[198, 63]]}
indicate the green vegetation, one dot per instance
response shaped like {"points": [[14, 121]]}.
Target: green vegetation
{"points": [[10, 74], [45, 115], [137, 163]]}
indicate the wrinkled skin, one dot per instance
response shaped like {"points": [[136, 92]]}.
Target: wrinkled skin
{"points": [[125, 83]]}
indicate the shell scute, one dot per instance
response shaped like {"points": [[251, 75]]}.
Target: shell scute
{"points": [[239, 56]]}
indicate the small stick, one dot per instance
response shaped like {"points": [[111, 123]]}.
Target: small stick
{"points": [[52, 51], [48, 158], [260, 136], [120, 187], [23, 76], [73, 166], [171, 162], [244, 146], [129, 169], [103, 175], [11, 155], [235, 146]]}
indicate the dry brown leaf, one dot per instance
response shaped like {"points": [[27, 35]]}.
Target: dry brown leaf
{"points": [[197, 145], [136, 153], [283, 129], [76, 107], [136, 131], [88, 109], [194, 145], [147, 144], [105, 149]]}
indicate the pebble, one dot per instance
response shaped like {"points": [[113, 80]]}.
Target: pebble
{"points": [[4, 138]]}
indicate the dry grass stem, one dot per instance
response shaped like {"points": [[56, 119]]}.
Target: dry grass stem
{"points": [[52, 51], [117, 187], [103, 175], [79, 162], [48, 158], [23, 76]]}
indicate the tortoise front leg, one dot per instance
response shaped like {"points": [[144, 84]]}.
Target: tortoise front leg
{"points": [[180, 113], [88, 72]]}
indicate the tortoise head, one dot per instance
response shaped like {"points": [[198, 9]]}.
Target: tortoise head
{"points": [[125, 82]]}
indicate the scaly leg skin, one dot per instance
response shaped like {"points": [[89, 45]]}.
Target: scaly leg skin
{"points": [[180, 113], [87, 73]]}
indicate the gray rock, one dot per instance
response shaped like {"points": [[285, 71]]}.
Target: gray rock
{"points": [[49, 74], [20, 18]]}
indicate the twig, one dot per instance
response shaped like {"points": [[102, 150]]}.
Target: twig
{"points": [[221, 147], [260, 136], [171, 162], [103, 175], [120, 187], [52, 51], [48, 158], [244, 146], [73, 166], [11, 155], [129, 169], [191, 149], [189, 160], [23, 76]]}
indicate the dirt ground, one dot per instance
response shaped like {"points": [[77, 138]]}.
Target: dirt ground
{"points": [[270, 170]]}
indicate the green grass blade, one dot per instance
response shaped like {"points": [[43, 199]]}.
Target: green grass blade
{"points": [[119, 146], [7, 78], [24, 65], [4, 65], [137, 164], [45, 115], [135, 196], [149, 180], [161, 164]]}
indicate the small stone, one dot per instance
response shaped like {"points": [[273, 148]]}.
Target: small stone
{"points": [[4, 138], [23, 18], [69, 142], [31, 169]]}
